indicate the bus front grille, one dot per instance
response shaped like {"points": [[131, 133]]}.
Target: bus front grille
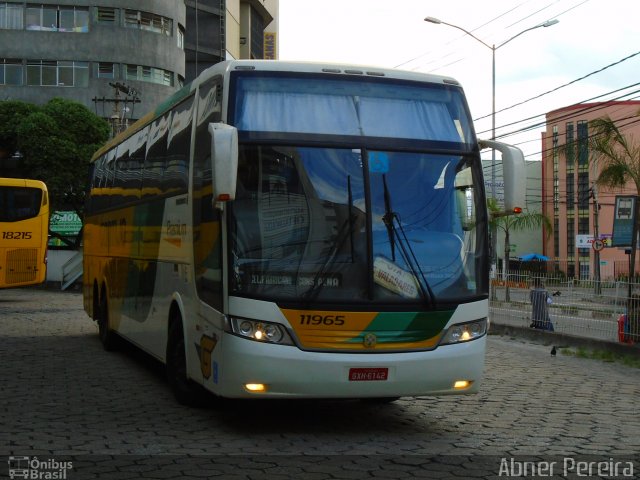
{"points": [[22, 265]]}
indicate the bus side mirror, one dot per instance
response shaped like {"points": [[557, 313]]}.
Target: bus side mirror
{"points": [[224, 162], [514, 175]]}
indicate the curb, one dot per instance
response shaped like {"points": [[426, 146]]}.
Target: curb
{"points": [[563, 339]]}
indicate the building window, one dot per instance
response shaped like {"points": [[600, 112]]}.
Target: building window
{"points": [[10, 72], [556, 180], [51, 18], [583, 225], [583, 190], [257, 34], [180, 35], [148, 21], [571, 147], [583, 229], [149, 74], [556, 237], [584, 271], [570, 191], [583, 138], [52, 73], [105, 15], [571, 237], [11, 16], [106, 70]]}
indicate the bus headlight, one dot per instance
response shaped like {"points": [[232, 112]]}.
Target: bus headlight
{"points": [[465, 332], [260, 331]]}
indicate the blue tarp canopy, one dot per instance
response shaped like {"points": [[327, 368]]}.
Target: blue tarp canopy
{"points": [[533, 256]]}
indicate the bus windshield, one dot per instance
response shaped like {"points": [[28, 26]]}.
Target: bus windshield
{"points": [[353, 107], [19, 203], [356, 225]]}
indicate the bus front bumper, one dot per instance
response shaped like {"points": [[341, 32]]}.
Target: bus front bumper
{"points": [[288, 372]]}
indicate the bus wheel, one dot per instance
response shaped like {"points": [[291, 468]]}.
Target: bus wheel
{"points": [[185, 391], [108, 337]]}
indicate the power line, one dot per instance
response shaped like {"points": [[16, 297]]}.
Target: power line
{"points": [[587, 108], [562, 86]]}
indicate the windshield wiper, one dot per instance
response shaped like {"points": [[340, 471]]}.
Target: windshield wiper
{"points": [[390, 218]]}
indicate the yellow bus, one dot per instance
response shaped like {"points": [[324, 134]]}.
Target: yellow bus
{"points": [[24, 232], [298, 230]]}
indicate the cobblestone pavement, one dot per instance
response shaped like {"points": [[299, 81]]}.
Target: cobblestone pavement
{"points": [[64, 399]]}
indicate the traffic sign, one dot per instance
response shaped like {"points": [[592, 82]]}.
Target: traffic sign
{"points": [[597, 245]]}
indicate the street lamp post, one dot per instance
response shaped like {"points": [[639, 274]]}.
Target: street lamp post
{"points": [[493, 49]]}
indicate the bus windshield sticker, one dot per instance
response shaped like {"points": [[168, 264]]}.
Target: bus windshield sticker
{"points": [[390, 276], [378, 162]]}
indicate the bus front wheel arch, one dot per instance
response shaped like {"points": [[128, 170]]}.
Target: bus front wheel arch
{"points": [[184, 389]]}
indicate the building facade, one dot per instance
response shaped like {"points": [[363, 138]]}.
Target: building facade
{"points": [[220, 30], [580, 210], [121, 58], [116, 57], [524, 241]]}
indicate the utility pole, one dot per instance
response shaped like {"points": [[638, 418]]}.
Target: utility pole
{"points": [[596, 236], [118, 119]]}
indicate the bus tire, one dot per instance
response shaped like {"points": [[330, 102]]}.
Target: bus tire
{"points": [[108, 337], [184, 390]]}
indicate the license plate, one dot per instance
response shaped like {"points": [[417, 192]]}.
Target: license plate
{"points": [[368, 374]]}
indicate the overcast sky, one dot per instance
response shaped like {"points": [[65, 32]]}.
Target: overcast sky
{"points": [[590, 35]]}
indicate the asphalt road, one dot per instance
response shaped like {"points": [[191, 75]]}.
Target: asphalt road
{"points": [[69, 407]]}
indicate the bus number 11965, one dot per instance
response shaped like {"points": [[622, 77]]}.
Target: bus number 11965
{"points": [[321, 319]]}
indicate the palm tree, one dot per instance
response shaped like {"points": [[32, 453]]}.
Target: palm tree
{"points": [[619, 160], [514, 223]]}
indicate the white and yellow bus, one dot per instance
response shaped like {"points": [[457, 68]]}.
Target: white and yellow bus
{"points": [[24, 232], [298, 230]]}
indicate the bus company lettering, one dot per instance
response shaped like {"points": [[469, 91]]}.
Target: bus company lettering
{"points": [[176, 229]]}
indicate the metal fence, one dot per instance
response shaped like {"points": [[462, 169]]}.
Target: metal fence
{"points": [[605, 310]]}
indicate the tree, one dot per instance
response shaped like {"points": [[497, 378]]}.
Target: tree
{"points": [[11, 115], [618, 159], [57, 143], [514, 223]]}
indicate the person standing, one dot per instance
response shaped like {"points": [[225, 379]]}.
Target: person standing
{"points": [[540, 301]]}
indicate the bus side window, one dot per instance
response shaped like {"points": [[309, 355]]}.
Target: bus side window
{"points": [[206, 219], [176, 174], [156, 157]]}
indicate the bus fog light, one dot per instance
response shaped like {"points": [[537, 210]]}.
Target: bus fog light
{"points": [[260, 331], [465, 332], [462, 384], [255, 387]]}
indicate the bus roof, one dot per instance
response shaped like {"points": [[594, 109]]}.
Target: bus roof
{"points": [[23, 182], [222, 68]]}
